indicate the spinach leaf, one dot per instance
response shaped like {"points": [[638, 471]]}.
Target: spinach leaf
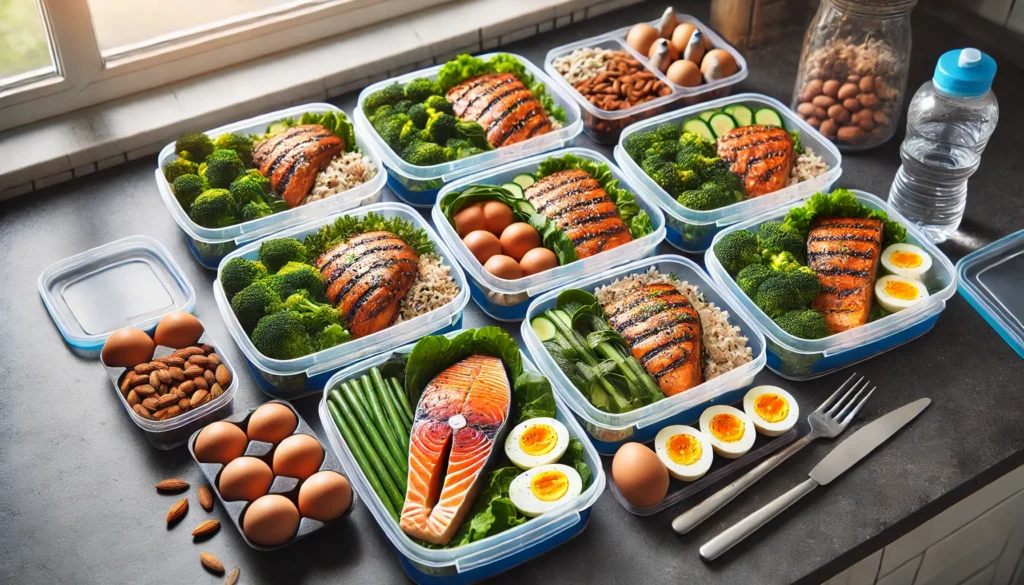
{"points": [[534, 397], [573, 457], [433, 354]]}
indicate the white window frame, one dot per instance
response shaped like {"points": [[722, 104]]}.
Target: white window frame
{"points": [[84, 78]]}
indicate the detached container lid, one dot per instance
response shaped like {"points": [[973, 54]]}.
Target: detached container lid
{"points": [[131, 282], [991, 279]]}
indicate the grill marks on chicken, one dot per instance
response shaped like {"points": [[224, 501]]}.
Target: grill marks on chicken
{"points": [[292, 159], [762, 155], [507, 109], [844, 252]]}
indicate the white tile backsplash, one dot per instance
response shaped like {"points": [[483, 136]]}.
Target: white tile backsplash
{"points": [[866, 570], [983, 577], [903, 575], [975, 505], [908, 546]]}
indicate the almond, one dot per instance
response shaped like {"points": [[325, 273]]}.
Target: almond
{"points": [[167, 400], [223, 375], [214, 360], [193, 371], [198, 397], [201, 383], [158, 365], [199, 360], [210, 377], [125, 383], [137, 379], [173, 361], [172, 485], [144, 369], [211, 562], [232, 577], [185, 404], [164, 375], [141, 411], [205, 497], [150, 403], [178, 392], [177, 374], [216, 391], [206, 528], [132, 398], [207, 348], [177, 510], [154, 379], [188, 386]]}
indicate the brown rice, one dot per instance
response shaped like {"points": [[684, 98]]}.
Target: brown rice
{"points": [[345, 172], [432, 289], [806, 166]]}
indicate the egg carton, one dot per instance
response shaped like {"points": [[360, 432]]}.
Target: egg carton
{"points": [[172, 432], [285, 486]]}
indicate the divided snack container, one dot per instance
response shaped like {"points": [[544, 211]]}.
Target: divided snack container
{"points": [[210, 245], [419, 186], [290, 379], [507, 300], [609, 431], [605, 126], [484, 558], [692, 231], [991, 279], [804, 359], [285, 486]]}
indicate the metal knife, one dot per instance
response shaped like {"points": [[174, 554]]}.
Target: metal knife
{"points": [[843, 457]]}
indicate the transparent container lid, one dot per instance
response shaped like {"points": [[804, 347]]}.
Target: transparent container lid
{"points": [[991, 280], [131, 282]]}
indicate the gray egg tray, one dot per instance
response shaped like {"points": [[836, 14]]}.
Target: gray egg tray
{"points": [[285, 486]]}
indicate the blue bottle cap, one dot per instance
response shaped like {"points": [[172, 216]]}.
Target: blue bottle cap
{"points": [[964, 72]]}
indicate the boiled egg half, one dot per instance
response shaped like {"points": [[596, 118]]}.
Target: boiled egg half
{"points": [[730, 431], [895, 293], [544, 488], [535, 442], [685, 451], [906, 260], [772, 410]]}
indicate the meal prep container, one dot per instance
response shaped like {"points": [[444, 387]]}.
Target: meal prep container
{"points": [[605, 126], [804, 359], [507, 300], [419, 186], [991, 279], [484, 558], [290, 379], [285, 486], [691, 230], [210, 245], [609, 431]]}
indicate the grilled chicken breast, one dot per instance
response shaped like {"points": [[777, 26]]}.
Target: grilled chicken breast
{"points": [[845, 255], [292, 159], [663, 331], [578, 205], [367, 277], [762, 155], [506, 109]]}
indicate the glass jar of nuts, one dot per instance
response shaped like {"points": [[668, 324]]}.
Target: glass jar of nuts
{"points": [[853, 70]]}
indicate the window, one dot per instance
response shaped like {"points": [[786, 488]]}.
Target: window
{"points": [[25, 53]]}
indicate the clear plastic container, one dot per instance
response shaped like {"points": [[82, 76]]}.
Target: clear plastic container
{"points": [[290, 379], [604, 126], [419, 186], [691, 230], [507, 300], [991, 280], [484, 558], [609, 431], [210, 245], [804, 359]]}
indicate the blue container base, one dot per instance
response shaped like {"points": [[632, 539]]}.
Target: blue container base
{"points": [[676, 239], [414, 198], [499, 312]]}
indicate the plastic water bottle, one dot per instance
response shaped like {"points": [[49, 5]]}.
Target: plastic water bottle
{"points": [[948, 125]]}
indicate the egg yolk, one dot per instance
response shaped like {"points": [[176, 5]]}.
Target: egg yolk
{"points": [[901, 289], [905, 259], [684, 449], [549, 486], [538, 440], [771, 407], [726, 427]]}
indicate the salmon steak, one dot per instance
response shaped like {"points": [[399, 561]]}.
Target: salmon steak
{"points": [[844, 253], [577, 204], [293, 158], [507, 109], [663, 331], [367, 277], [762, 155], [460, 417]]}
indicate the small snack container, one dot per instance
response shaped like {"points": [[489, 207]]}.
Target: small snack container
{"points": [[489, 556], [418, 186], [608, 431], [210, 245], [294, 378], [991, 279], [507, 300], [803, 359], [604, 126], [691, 230]]}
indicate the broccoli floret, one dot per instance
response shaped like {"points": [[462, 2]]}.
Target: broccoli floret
{"points": [[419, 115], [391, 130], [806, 284], [665, 175], [297, 277], [238, 273], [664, 151], [751, 277], [315, 316], [420, 89], [637, 143], [709, 196], [474, 133], [255, 210], [274, 254], [440, 127], [669, 132], [776, 237], [194, 146], [787, 291], [186, 188], [255, 302], [424, 154], [408, 134], [440, 104], [390, 95], [246, 190], [702, 165], [330, 336], [402, 107], [281, 336], [214, 208], [238, 143], [717, 171], [804, 323], [222, 168], [381, 115], [695, 144], [179, 167], [736, 250], [782, 262]]}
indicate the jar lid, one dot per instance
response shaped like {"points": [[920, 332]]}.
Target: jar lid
{"points": [[964, 72]]}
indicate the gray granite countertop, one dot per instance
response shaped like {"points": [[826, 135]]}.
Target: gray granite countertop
{"points": [[77, 503]]}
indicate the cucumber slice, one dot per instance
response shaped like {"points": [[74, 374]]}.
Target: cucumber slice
{"points": [[740, 113], [698, 126], [707, 114], [525, 181], [768, 117], [515, 188], [722, 123], [544, 329]]}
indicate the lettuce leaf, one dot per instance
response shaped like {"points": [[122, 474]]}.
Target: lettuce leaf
{"points": [[842, 203], [465, 67], [434, 353], [347, 226], [493, 511], [534, 397], [573, 457]]}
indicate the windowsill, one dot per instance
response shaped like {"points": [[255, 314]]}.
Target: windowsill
{"points": [[42, 154]]}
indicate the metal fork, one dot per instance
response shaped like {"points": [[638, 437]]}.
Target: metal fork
{"points": [[828, 421]]}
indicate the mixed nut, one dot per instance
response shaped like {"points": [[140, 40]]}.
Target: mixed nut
{"points": [[171, 385], [618, 81]]}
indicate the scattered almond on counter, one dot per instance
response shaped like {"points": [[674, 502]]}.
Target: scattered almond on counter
{"points": [[206, 528], [179, 509], [206, 497], [211, 562], [172, 485], [232, 577]]}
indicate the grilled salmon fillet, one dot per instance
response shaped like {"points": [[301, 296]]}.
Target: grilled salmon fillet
{"points": [[500, 103], [762, 155], [578, 205], [459, 419], [845, 255], [292, 159], [367, 277], [663, 331]]}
